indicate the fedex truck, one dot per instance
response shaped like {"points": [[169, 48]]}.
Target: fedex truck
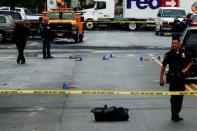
{"points": [[134, 14]]}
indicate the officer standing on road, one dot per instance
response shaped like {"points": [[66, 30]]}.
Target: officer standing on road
{"points": [[187, 21], [47, 37], [179, 64], [177, 27], [19, 36]]}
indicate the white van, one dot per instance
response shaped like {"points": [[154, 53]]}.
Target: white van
{"points": [[165, 18]]}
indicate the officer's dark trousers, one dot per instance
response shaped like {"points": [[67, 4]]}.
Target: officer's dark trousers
{"points": [[46, 49], [177, 84], [20, 47]]}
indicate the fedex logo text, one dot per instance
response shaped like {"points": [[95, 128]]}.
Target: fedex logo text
{"points": [[152, 4]]}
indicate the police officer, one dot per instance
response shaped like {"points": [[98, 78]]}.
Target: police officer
{"points": [[179, 64], [47, 37], [187, 21], [176, 27], [19, 36]]}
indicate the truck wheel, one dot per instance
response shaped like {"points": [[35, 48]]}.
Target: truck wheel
{"points": [[89, 25], [76, 38], [2, 37], [132, 26]]}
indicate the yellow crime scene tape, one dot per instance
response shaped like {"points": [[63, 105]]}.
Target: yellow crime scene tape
{"points": [[98, 92]]}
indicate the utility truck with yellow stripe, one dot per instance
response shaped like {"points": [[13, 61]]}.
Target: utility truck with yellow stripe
{"points": [[64, 22]]}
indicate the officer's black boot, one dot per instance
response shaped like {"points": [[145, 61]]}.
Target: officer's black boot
{"points": [[50, 56], [176, 118], [23, 60], [18, 60], [44, 57], [44, 54]]}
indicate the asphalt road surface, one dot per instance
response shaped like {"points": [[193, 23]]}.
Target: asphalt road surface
{"points": [[134, 67]]}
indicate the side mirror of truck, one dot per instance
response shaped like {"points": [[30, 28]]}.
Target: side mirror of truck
{"points": [[159, 15]]}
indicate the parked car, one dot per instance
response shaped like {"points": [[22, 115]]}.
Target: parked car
{"points": [[15, 15], [189, 42], [25, 13], [7, 25], [34, 25]]}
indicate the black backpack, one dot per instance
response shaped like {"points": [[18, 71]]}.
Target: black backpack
{"points": [[110, 113]]}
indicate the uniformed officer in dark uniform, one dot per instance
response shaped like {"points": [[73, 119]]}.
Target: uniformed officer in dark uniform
{"points": [[177, 28], [19, 36], [47, 37], [179, 64], [187, 22]]}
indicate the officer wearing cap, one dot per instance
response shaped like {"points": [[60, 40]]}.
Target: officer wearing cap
{"points": [[179, 64], [47, 36]]}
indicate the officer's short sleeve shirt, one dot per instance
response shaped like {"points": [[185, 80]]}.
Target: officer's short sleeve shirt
{"points": [[176, 60]]}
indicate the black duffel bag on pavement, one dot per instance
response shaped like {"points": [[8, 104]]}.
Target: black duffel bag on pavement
{"points": [[110, 113]]}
